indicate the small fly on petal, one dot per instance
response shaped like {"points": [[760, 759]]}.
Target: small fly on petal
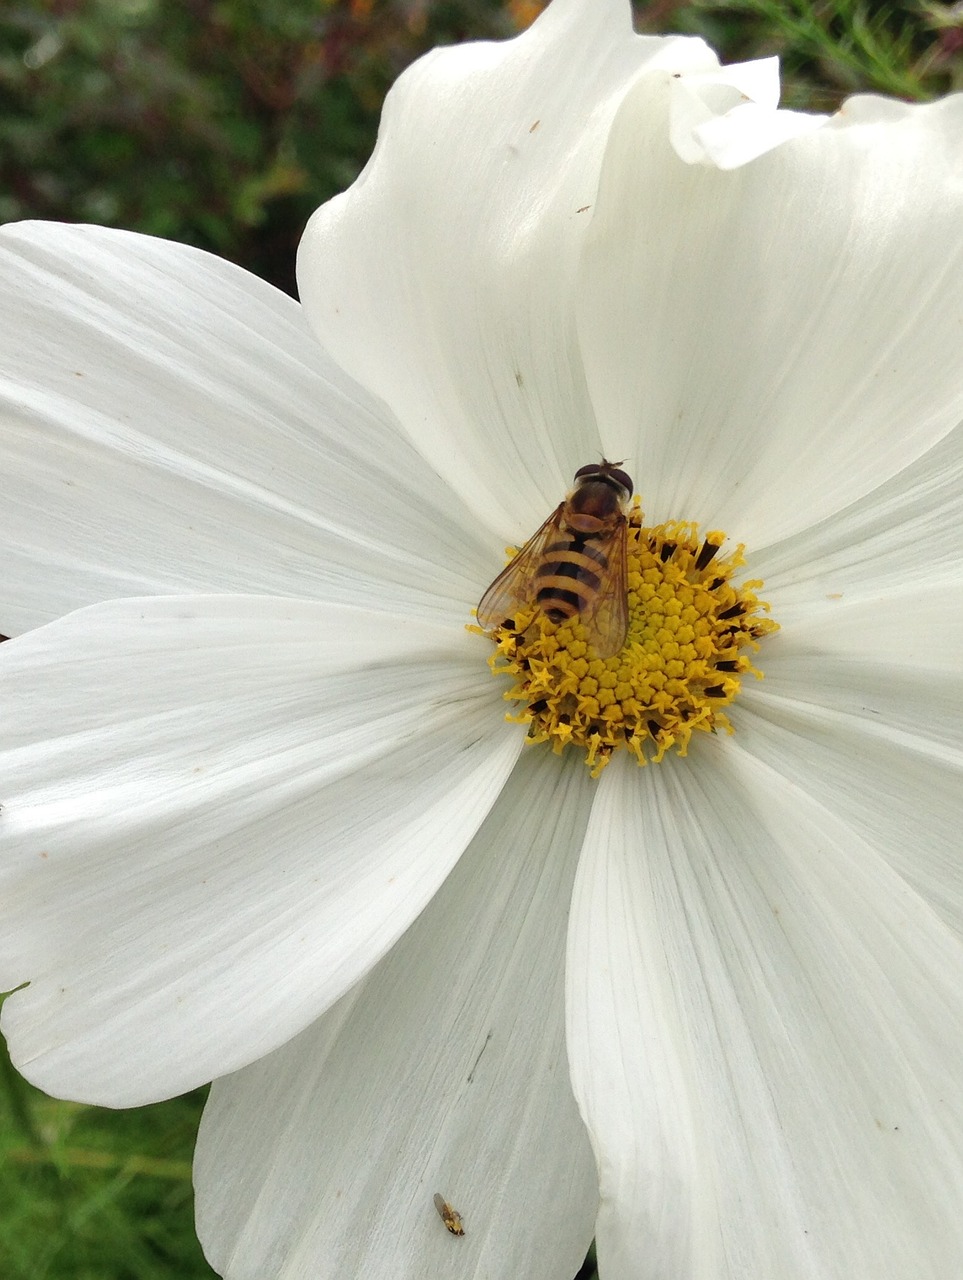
{"points": [[449, 1216]]}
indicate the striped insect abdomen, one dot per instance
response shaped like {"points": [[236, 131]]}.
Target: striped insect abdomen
{"points": [[570, 575]]}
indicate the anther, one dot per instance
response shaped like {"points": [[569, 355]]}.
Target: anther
{"points": [[708, 553]]}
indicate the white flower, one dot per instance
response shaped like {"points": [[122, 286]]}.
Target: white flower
{"points": [[262, 816]]}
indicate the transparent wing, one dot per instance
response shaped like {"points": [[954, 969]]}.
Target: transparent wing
{"points": [[515, 585], [449, 1216], [606, 618]]}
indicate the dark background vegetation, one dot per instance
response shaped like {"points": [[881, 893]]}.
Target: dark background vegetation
{"points": [[225, 124]]}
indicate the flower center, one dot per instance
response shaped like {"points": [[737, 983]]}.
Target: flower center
{"points": [[690, 634]]}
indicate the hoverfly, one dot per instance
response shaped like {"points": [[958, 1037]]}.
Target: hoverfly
{"points": [[449, 1216], [575, 563]]}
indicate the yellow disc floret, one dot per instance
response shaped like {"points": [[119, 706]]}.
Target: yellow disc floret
{"points": [[690, 635]]}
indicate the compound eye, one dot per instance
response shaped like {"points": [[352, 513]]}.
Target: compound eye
{"points": [[605, 470], [623, 478]]}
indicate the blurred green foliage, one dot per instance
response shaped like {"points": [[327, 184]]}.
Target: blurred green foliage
{"points": [[90, 1194], [832, 49], [225, 124], [220, 124]]}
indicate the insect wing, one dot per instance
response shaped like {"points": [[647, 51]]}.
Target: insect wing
{"points": [[516, 585], [607, 617], [449, 1216]]}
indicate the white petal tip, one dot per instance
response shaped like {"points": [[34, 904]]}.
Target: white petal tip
{"points": [[729, 116]]}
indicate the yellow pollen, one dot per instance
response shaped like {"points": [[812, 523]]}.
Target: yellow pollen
{"points": [[690, 636]]}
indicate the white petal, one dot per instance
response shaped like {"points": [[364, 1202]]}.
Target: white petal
{"points": [[748, 131], [764, 1036], [169, 425], [445, 278], [910, 632], [902, 534], [218, 813], [767, 345], [444, 1071], [728, 116], [863, 707]]}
